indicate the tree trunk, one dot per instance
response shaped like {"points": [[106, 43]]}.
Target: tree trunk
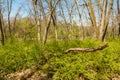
{"points": [[80, 19], [1, 29], [105, 20], [118, 8], [65, 21], [92, 14], [119, 31], [70, 18], [54, 23], [49, 19], [37, 19], [46, 29], [9, 7]]}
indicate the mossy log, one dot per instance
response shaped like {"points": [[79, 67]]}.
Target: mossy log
{"points": [[86, 49]]}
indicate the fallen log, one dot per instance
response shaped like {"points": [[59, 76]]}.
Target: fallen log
{"points": [[86, 49]]}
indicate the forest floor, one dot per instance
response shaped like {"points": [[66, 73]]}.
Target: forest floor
{"points": [[33, 61]]}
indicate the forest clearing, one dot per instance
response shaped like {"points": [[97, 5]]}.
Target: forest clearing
{"points": [[59, 39]]}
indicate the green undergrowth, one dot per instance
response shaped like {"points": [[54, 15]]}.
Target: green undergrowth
{"points": [[19, 55], [99, 65]]}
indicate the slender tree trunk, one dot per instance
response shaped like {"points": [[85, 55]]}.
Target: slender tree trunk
{"points": [[9, 7], [70, 18], [37, 19], [49, 19], [15, 19], [80, 19], [54, 20], [42, 11], [46, 29], [106, 20], [65, 21], [103, 20], [49, 22], [99, 6], [92, 14], [118, 8], [1, 29], [54, 23], [119, 30]]}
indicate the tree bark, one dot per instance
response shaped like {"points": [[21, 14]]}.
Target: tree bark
{"points": [[92, 14], [80, 19], [119, 30], [69, 11], [106, 19], [1, 28], [49, 19], [118, 8], [103, 20], [62, 14], [9, 7], [46, 29], [37, 19], [54, 20]]}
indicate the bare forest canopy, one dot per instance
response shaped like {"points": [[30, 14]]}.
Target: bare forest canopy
{"points": [[44, 20]]}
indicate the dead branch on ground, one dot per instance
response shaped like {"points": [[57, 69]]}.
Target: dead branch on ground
{"points": [[86, 49]]}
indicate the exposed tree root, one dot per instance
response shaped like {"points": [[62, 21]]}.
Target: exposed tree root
{"points": [[86, 49]]}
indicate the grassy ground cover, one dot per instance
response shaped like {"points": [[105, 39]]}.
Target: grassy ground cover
{"points": [[97, 65]]}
